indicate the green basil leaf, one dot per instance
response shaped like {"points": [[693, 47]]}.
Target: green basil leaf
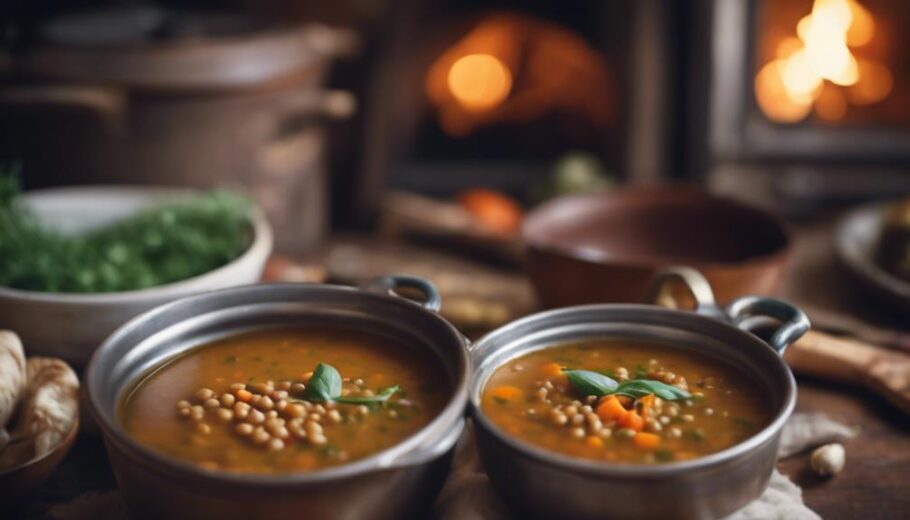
{"points": [[587, 383], [325, 384], [381, 397], [637, 388]]}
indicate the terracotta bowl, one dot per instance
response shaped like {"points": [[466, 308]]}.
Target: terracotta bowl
{"points": [[16, 483], [606, 247]]}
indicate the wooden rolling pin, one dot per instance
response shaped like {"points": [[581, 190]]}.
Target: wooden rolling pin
{"points": [[842, 360]]}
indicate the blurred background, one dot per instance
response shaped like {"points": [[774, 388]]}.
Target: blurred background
{"points": [[321, 110], [520, 155]]}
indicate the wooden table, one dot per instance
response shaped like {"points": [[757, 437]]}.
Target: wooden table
{"points": [[875, 483]]}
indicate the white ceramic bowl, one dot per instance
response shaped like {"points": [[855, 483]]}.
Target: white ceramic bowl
{"points": [[72, 325]]}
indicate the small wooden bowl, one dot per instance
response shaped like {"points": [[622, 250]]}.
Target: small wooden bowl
{"points": [[16, 483], [606, 247]]}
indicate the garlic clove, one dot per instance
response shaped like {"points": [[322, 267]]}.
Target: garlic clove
{"points": [[828, 460]]}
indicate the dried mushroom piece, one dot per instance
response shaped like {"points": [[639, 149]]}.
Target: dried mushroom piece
{"points": [[49, 410], [12, 379]]}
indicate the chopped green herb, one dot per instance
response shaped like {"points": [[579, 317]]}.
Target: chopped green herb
{"points": [[742, 422], [663, 455], [694, 435], [157, 246]]}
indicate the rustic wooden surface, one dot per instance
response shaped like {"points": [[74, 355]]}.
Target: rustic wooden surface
{"points": [[874, 485]]}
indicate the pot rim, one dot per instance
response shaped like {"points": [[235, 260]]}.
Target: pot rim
{"points": [[663, 470], [413, 450]]}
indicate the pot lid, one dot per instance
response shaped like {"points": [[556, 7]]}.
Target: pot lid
{"points": [[157, 47]]}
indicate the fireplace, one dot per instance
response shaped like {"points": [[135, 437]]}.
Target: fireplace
{"points": [[470, 93], [810, 99]]}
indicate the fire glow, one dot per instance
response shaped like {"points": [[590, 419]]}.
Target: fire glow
{"points": [[479, 81], [511, 68], [819, 69]]}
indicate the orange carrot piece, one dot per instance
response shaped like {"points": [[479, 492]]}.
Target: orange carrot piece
{"points": [[632, 421], [646, 440], [551, 369], [244, 395], [506, 392], [554, 372], [610, 409]]}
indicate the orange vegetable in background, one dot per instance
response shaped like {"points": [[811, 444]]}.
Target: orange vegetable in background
{"points": [[492, 210]]}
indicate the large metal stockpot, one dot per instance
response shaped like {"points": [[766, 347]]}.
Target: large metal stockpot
{"points": [[398, 482], [545, 484]]}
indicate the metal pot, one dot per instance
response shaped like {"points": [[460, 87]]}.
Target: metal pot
{"points": [[138, 94], [546, 484], [398, 482]]}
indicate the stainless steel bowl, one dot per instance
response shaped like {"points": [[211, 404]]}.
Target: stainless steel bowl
{"points": [[395, 483], [545, 484]]}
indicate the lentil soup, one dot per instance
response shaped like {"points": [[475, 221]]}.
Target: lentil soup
{"points": [[284, 400], [622, 401]]}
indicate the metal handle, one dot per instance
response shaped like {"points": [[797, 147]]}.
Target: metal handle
{"points": [[390, 284], [752, 312], [696, 284], [749, 313]]}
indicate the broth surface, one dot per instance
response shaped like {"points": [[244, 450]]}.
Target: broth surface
{"points": [[532, 399], [161, 410]]}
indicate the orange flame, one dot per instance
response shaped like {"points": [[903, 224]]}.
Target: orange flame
{"points": [[479, 81], [810, 70]]}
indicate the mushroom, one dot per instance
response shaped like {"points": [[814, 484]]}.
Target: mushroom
{"points": [[50, 406], [12, 379]]}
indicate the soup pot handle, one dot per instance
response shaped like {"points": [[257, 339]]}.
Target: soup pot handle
{"points": [[749, 313], [753, 312], [390, 284], [696, 284]]}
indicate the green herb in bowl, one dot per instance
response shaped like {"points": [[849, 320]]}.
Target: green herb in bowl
{"points": [[154, 247]]}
